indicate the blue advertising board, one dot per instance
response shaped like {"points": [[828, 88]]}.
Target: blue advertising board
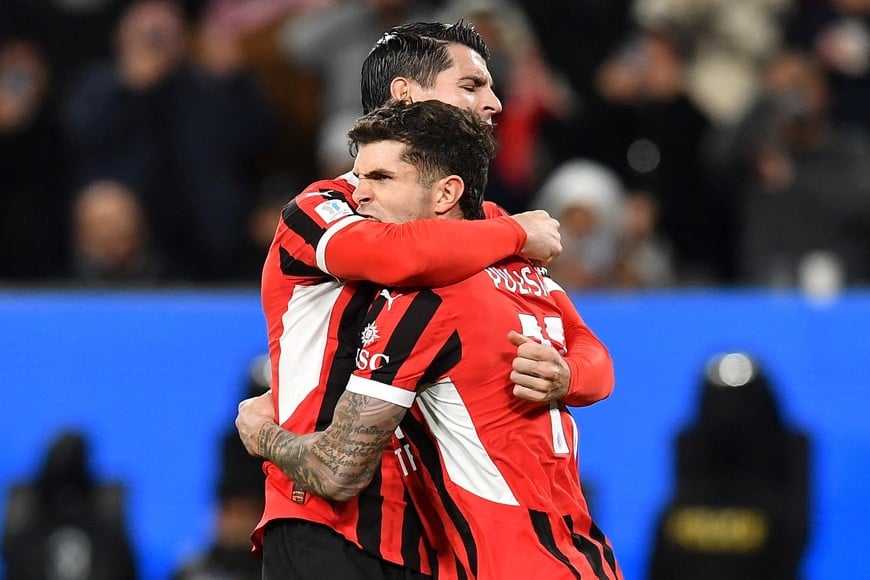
{"points": [[154, 377]]}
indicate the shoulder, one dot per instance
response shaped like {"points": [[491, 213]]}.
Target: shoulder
{"points": [[325, 201]]}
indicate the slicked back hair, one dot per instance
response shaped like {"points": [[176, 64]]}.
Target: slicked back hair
{"points": [[439, 139], [417, 51]]}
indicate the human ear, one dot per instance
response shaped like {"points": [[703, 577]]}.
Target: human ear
{"points": [[448, 192], [400, 89]]}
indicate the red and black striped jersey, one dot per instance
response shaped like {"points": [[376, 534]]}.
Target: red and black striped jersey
{"points": [[313, 318], [494, 478]]}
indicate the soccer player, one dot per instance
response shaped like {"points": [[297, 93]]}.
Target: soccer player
{"points": [[313, 318], [493, 477]]}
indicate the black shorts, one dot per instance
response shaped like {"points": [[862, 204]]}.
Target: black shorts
{"points": [[301, 550]]}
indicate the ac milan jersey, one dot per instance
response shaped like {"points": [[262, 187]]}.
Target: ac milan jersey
{"points": [[494, 478], [313, 321]]}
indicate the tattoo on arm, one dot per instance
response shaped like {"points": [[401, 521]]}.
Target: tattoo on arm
{"points": [[339, 462]]}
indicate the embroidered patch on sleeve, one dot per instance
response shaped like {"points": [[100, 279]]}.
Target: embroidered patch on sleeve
{"points": [[333, 209]]}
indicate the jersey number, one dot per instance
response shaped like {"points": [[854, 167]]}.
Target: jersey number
{"points": [[551, 332]]}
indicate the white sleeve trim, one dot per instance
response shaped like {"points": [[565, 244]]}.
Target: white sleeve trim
{"points": [[377, 390], [320, 251]]}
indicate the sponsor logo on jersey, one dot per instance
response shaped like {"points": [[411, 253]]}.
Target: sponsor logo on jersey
{"points": [[370, 361], [333, 209], [370, 334]]}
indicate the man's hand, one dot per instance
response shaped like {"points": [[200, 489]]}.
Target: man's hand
{"points": [[539, 373], [253, 414], [543, 241]]}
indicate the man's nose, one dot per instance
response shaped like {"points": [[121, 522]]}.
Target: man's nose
{"points": [[492, 105], [361, 194]]}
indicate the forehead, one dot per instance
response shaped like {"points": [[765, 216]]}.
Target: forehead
{"points": [[466, 63], [381, 156]]}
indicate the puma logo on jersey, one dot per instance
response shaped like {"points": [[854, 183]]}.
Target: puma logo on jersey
{"points": [[386, 294]]}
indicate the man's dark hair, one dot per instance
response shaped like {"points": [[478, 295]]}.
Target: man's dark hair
{"points": [[417, 51], [440, 140]]}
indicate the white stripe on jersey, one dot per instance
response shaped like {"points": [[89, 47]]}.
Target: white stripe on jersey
{"points": [[303, 343], [575, 432], [465, 458], [320, 250], [388, 393], [560, 446]]}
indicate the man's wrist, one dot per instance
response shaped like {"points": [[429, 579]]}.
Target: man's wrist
{"points": [[265, 436]]}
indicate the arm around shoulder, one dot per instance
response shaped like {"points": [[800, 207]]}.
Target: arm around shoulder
{"points": [[421, 253]]}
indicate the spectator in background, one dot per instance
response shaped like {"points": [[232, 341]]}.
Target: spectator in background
{"points": [[838, 34], [575, 37], [110, 237], [70, 33], [728, 45], [240, 503], [275, 192], [183, 138], [330, 42], [33, 168], [645, 258], [742, 500], [804, 181], [66, 525], [644, 127], [598, 248]]}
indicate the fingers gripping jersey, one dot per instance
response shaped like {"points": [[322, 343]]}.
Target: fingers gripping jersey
{"points": [[495, 478]]}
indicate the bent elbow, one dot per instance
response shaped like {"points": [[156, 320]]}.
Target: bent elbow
{"points": [[343, 494], [345, 488]]}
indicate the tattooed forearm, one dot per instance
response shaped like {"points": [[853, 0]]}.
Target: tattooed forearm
{"points": [[340, 461]]}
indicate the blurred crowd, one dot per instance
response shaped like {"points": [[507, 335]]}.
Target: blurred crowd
{"points": [[679, 142]]}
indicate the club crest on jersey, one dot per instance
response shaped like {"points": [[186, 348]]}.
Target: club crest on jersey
{"points": [[333, 209], [370, 334], [298, 495]]}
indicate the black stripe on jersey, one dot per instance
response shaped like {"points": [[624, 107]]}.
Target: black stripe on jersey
{"points": [[447, 358], [412, 533], [368, 528], [415, 432], [302, 224], [597, 535], [290, 266], [541, 524], [431, 556], [460, 571], [588, 549], [409, 330], [344, 363]]}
